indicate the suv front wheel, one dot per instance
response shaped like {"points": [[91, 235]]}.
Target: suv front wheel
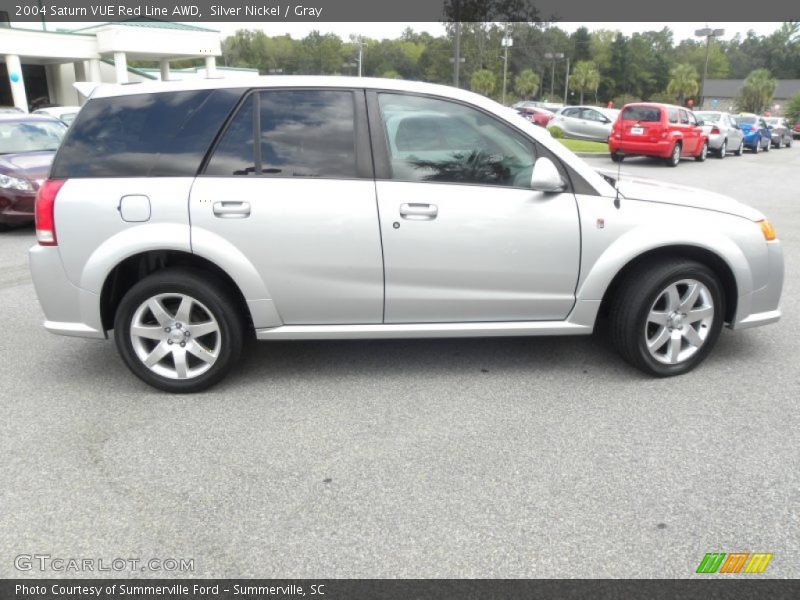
{"points": [[667, 317], [179, 331]]}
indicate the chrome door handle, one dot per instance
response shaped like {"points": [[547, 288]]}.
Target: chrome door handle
{"points": [[419, 212], [231, 210]]}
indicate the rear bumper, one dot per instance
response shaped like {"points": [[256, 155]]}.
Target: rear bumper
{"points": [[68, 310], [16, 208], [660, 149]]}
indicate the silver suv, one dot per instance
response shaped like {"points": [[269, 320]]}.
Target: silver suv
{"points": [[190, 216]]}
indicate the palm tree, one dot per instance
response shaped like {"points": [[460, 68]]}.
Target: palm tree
{"points": [[757, 91], [682, 82], [483, 81], [526, 83], [585, 77]]}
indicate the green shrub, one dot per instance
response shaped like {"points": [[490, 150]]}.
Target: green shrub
{"points": [[556, 132]]}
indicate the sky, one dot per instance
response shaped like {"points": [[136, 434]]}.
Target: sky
{"points": [[392, 30]]}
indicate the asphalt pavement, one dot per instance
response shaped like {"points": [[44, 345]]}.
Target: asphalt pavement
{"points": [[506, 458]]}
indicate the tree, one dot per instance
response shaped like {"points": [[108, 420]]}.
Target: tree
{"points": [[682, 82], [757, 91], [585, 77], [792, 111], [526, 83], [483, 82]]}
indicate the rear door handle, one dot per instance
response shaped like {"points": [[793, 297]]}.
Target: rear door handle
{"points": [[419, 212], [231, 210]]}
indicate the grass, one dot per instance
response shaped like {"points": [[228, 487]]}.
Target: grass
{"points": [[584, 146]]}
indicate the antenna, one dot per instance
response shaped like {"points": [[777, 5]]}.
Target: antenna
{"points": [[619, 176]]}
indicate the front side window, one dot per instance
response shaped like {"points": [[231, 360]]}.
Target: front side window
{"points": [[672, 115], [301, 133], [684, 117], [440, 141]]}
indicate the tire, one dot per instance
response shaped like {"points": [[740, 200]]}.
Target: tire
{"points": [[675, 156], [643, 302], [211, 309], [740, 149], [615, 157], [757, 147], [779, 145], [723, 150], [701, 157], [768, 146]]}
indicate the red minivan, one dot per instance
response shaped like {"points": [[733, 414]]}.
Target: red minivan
{"points": [[660, 130]]}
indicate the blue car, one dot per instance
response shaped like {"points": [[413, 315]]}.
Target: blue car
{"points": [[757, 136]]}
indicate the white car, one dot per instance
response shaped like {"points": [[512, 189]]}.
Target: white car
{"points": [[189, 216], [65, 113], [591, 123]]}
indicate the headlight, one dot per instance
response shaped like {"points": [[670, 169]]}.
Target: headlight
{"points": [[15, 183], [767, 230]]}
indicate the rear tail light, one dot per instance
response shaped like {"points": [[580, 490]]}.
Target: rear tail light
{"points": [[45, 212], [715, 130]]}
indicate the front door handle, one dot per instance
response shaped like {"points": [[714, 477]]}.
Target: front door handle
{"points": [[419, 212], [231, 210]]}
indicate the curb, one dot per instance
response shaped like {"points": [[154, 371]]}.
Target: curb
{"points": [[591, 154]]}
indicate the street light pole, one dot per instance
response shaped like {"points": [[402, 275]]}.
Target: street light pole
{"points": [[708, 34], [566, 82]]}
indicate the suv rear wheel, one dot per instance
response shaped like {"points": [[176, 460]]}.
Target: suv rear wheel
{"points": [[675, 155], [179, 331], [667, 317]]}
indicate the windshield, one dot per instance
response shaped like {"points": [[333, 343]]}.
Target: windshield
{"points": [[30, 136], [641, 113], [774, 121], [708, 116]]}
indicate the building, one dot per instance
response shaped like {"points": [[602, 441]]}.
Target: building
{"points": [[721, 94], [40, 67]]}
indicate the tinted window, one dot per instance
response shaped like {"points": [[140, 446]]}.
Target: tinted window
{"points": [[672, 115], [302, 133], [436, 140], [234, 154], [570, 112], [163, 134], [641, 113], [592, 115]]}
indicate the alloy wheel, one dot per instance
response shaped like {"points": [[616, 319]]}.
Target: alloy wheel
{"points": [[679, 321], [175, 336]]}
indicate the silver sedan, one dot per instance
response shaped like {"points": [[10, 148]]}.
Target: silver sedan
{"points": [[585, 122], [724, 135]]}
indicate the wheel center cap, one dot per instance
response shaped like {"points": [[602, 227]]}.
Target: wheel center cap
{"points": [[677, 320], [176, 334]]}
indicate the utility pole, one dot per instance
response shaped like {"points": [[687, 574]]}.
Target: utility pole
{"points": [[361, 43], [457, 53], [554, 57], [507, 43], [566, 82], [707, 33]]}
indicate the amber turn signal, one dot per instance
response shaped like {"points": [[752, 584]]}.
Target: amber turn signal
{"points": [[767, 230]]}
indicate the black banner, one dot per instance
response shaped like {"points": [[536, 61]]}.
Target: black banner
{"points": [[740, 587], [394, 11]]}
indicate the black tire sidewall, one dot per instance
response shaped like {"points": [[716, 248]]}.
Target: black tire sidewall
{"points": [[205, 290], [687, 271]]}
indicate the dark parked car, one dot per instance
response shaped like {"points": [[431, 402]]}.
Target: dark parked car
{"points": [[781, 131], [27, 146]]}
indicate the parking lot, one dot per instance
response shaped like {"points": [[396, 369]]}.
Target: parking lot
{"points": [[506, 458]]}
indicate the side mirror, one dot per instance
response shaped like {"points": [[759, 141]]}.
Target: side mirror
{"points": [[545, 177]]}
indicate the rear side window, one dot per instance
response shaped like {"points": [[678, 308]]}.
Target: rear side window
{"points": [[641, 113], [301, 133], [165, 134]]}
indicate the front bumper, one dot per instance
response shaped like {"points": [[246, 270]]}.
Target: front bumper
{"points": [[761, 306], [68, 309]]}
